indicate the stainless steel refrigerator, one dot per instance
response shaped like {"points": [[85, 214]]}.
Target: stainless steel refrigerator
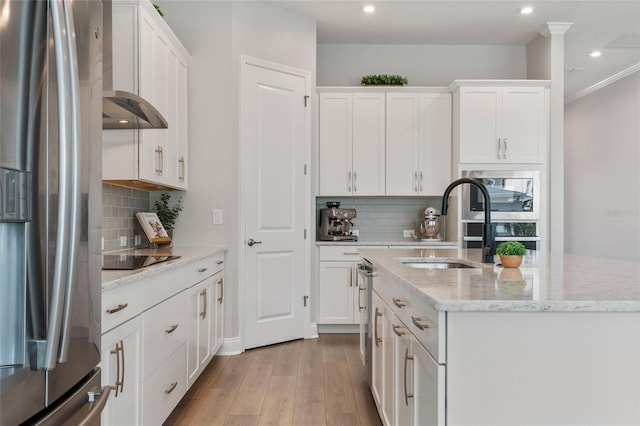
{"points": [[50, 211]]}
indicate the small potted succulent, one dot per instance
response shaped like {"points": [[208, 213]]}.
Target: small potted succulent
{"points": [[511, 253]]}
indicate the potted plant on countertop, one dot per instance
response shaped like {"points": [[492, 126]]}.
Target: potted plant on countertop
{"points": [[511, 253], [167, 213]]}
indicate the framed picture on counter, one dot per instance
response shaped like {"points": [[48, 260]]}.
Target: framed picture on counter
{"points": [[153, 228]]}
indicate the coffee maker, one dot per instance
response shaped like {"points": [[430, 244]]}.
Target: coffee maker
{"points": [[335, 223]]}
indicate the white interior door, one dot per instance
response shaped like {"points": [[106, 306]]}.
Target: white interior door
{"points": [[275, 140]]}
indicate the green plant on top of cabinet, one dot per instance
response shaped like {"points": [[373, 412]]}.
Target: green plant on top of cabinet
{"points": [[418, 143], [352, 144], [501, 124], [149, 60]]}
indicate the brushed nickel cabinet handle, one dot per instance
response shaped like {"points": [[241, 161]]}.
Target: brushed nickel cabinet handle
{"points": [[116, 352], [118, 308], [397, 330], [407, 395], [221, 284], [420, 181], [355, 178], [375, 327], [219, 262], [170, 388], [123, 358], [171, 329], [181, 162], [499, 149], [159, 160], [202, 270], [504, 150], [203, 314], [351, 276], [399, 302], [350, 253], [415, 181], [416, 322]]}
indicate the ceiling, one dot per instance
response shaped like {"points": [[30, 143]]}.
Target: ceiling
{"points": [[611, 26]]}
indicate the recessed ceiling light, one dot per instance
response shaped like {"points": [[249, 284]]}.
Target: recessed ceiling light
{"points": [[369, 9], [595, 54], [526, 10]]}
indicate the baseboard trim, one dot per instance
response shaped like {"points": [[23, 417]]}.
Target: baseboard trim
{"points": [[312, 333], [338, 328], [231, 346]]}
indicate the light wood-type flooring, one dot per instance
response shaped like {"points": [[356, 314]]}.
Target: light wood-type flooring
{"points": [[299, 383]]}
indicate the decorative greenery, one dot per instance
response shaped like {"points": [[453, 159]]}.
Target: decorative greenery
{"points": [[383, 79], [511, 248], [167, 213], [158, 9]]}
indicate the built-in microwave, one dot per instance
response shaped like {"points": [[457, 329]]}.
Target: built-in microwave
{"points": [[514, 195]]}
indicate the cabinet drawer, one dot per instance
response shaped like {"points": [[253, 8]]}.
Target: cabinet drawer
{"points": [[165, 329], [340, 253], [197, 271], [120, 305], [163, 390], [428, 325]]}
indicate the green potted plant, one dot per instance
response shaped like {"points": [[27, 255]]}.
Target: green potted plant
{"points": [[168, 213], [511, 253], [383, 79]]}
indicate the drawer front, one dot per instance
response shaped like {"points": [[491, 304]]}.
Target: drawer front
{"points": [[165, 329], [120, 305], [340, 253], [428, 325], [165, 388], [197, 271]]}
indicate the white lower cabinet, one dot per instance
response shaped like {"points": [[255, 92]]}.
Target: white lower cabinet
{"points": [[408, 384], [203, 326], [162, 332], [121, 369]]}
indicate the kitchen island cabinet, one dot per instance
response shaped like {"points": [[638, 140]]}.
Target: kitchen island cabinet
{"points": [[556, 341]]}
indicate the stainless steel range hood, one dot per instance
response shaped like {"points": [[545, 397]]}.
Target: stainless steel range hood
{"points": [[122, 109]]}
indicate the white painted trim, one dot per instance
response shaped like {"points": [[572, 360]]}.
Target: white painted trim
{"points": [[502, 83], [312, 331], [339, 328], [244, 61], [230, 346], [607, 81]]}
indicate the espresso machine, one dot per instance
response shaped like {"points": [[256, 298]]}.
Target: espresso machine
{"points": [[335, 223], [430, 226]]}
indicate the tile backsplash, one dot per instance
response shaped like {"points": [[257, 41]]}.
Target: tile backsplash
{"points": [[384, 219], [119, 208]]}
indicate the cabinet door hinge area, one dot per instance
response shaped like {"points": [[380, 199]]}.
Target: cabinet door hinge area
{"points": [[306, 100]]}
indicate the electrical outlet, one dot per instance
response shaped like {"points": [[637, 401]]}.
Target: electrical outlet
{"points": [[355, 232], [216, 216], [123, 241], [408, 233]]}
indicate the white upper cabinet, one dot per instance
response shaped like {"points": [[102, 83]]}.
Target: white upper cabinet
{"points": [[418, 143], [148, 60], [351, 144], [501, 124]]}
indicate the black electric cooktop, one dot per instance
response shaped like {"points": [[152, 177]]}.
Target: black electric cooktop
{"points": [[130, 261]]}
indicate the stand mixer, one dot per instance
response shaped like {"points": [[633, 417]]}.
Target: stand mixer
{"points": [[430, 227]]}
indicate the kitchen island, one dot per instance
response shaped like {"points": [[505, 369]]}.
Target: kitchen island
{"points": [[556, 341]]}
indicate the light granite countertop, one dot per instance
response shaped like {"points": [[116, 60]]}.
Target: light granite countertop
{"points": [[544, 282], [388, 243], [114, 279]]}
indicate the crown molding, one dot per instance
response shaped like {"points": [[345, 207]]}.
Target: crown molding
{"points": [[555, 28], [607, 81]]}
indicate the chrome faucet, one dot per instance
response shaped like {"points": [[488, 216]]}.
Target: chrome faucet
{"points": [[488, 240]]}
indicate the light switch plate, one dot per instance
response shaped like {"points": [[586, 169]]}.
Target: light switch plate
{"points": [[216, 216], [123, 241]]}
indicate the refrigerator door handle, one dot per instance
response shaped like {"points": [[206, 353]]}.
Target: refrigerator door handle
{"points": [[96, 409], [68, 184]]}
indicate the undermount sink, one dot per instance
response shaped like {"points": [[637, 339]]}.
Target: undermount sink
{"points": [[437, 263]]}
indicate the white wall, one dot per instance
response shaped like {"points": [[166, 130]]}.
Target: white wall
{"points": [[602, 177], [216, 33], [423, 65]]}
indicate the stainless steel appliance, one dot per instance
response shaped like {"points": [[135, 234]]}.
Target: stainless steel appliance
{"points": [[335, 223], [525, 232], [430, 226], [515, 195], [50, 211], [365, 295]]}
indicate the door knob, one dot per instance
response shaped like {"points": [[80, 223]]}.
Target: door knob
{"points": [[251, 242]]}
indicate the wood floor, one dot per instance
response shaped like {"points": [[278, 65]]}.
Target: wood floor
{"points": [[299, 383]]}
